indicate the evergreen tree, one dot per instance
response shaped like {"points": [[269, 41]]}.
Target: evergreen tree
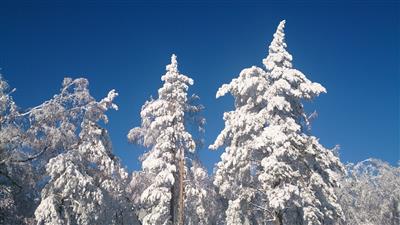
{"points": [[164, 129], [271, 170], [299, 175], [236, 174]]}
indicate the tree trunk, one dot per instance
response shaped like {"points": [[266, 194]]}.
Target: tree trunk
{"points": [[181, 203], [177, 201], [396, 212], [172, 208], [279, 219]]}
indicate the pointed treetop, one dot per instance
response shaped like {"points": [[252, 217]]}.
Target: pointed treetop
{"points": [[278, 56], [280, 28], [279, 37], [173, 67], [173, 74]]}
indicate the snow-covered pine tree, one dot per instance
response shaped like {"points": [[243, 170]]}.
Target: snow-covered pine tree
{"points": [[87, 183], [299, 175], [164, 130], [236, 173]]}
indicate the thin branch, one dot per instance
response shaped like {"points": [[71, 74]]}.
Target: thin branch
{"points": [[30, 157], [260, 207]]}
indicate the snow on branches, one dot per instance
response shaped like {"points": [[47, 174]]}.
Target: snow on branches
{"points": [[271, 169], [57, 164], [172, 151]]}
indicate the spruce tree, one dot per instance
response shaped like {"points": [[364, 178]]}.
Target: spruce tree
{"points": [[172, 149], [298, 174], [236, 174], [272, 171]]}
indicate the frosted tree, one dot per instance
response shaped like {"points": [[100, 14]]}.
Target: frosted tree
{"points": [[16, 178], [370, 193], [299, 175], [202, 205], [9, 133], [272, 171], [52, 127], [7, 183], [164, 129], [30, 138], [236, 173], [87, 183], [139, 182]]}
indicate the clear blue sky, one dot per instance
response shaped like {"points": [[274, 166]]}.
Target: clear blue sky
{"points": [[351, 48]]}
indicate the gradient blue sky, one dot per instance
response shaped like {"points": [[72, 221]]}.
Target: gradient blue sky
{"points": [[351, 48]]}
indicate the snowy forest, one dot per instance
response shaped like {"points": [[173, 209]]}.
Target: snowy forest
{"points": [[57, 164]]}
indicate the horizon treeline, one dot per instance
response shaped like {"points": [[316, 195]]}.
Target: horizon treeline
{"points": [[57, 164]]}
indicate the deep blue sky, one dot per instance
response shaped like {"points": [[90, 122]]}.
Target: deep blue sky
{"points": [[351, 48]]}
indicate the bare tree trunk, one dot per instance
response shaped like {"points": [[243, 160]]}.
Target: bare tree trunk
{"points": [[178, 197], [181, 205]]}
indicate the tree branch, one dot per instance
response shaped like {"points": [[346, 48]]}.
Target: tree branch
{"points": [[30, 157]]}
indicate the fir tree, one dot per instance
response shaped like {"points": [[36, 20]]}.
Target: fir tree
{"points": [[299, 175], [236, 174], [163, 130]]}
